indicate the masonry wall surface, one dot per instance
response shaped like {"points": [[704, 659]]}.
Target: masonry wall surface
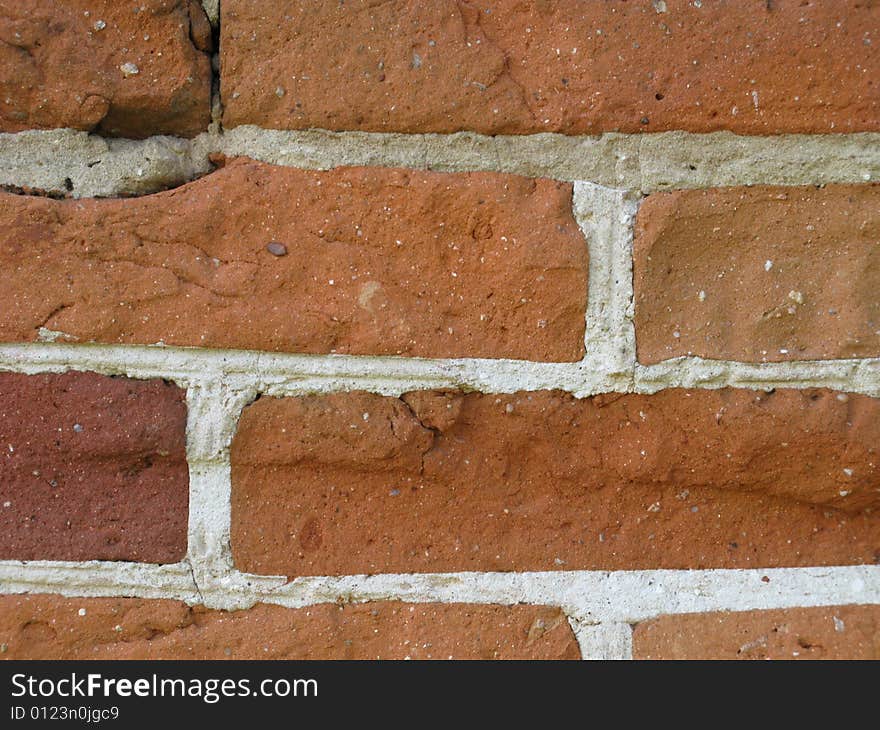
{"points": [[452, 330]]}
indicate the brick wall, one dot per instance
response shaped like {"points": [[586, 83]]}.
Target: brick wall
{"points": [[428, 330]]}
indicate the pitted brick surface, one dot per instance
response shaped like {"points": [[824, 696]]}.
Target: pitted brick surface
{"points": [[52, 627], [120, 69], [760, 274], [354, 260], [355, 483], [835, 632], [92, 468], [497, 67]]}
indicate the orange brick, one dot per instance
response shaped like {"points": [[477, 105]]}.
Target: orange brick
{"points": [[569, 66], [53, 627], [121, 69], [354, 260], [355, 483], [841, 632], [759, 274]]}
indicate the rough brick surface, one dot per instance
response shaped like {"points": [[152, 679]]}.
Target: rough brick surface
{"points": [[357, 260], [92, 468], [841, 632], [360, 483], [52, 627], [759, 274], [750, 66], [124, 69]]}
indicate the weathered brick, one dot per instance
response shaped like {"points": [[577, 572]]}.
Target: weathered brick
{"points": [[356, 260], [53, 627], [126, 69], [562, 66], [359, 483], [838, 632], [92, 468], [759, 274]]}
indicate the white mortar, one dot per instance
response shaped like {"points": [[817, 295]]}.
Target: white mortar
{"points": [[641, 163]]}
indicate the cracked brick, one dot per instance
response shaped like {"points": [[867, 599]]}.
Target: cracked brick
{"points": [[376, 261], [352, 483]]}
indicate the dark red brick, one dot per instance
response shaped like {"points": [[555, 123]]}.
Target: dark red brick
{"points": [[92, 468]]}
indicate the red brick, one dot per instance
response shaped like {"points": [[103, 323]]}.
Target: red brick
{"points": [[749, 66], [841, 632], [366, 261], [92, 468], [125, 69], [759, 274], [358, 483], [52, 627]]}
